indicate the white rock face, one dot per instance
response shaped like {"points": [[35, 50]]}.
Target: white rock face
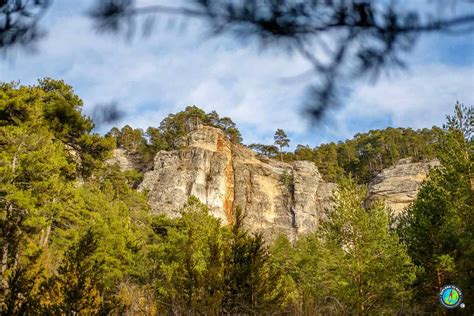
{"points": [[277, 198], [312, 196], [120, 157], [399, 184]]}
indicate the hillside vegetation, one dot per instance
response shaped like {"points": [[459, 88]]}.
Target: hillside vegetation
{"points": [[77, 239], [363, 156]]}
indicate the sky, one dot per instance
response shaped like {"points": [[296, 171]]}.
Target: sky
{"points": [[179, 65]]}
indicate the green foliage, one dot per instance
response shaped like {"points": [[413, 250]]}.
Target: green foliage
{"points": [[282, 264], [439, 225], [20, 291], [62, 111], [188, 272], [77, 284], [176, 126], [367, 154], [202, 267], [326, 157], [288, 180], [281, 140], [270, 151], [251, 286], [53, 107], [226, 124], [54, 184], [78, 238], [462, 120], [373, 266], [354, 264], [172, 131]]}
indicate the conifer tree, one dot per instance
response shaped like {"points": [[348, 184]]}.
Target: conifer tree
{"points": [[189, 261], [438, 227], [357, 264], [78, 283], [281, 140], [251, 286]]}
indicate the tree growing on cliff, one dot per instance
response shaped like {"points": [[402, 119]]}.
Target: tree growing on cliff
{"points": [[226, 124], [368, 153], [281, 140], [267, 150]]}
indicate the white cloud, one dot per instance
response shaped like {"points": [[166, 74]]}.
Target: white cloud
{"points": [[420, 97], [153, 77]]}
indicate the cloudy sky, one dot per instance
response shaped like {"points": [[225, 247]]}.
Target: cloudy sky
{"points": [[178, 66]]}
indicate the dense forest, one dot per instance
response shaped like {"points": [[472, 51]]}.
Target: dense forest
{"points": [[78, 239]]}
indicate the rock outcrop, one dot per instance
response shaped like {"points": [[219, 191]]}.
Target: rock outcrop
{"points": [[399, 184], [276, 197], [122, 159]]}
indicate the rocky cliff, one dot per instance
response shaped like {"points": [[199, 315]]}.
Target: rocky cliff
{"points": [[122, 159], [399, 184], [276, 197]]}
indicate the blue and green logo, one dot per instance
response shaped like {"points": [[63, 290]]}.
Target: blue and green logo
{"points": [[450, 296]]}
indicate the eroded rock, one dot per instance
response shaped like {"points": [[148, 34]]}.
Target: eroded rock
{"points": [[398, 185], [276, 197], [122, 159]]}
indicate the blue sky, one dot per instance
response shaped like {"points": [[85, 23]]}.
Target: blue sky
{"points": [[178, 66]]}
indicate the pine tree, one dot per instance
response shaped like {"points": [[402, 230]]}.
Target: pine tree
{"points": [[46, 145], [189, 261], [361, 267], [438, 227], [281, 140], [78, 283], [251, 286]]}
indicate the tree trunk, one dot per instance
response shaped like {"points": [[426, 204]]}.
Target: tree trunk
{"points": [[46, 237], [6, 244], [438, 279], [4, 259], [361, 297]]}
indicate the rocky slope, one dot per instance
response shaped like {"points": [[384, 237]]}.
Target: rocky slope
{"points": [[276, 197]]}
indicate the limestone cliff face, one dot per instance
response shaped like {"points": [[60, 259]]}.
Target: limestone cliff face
{"points": [[276, 197], [399, 184], [203, 168], [122, 159]]}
